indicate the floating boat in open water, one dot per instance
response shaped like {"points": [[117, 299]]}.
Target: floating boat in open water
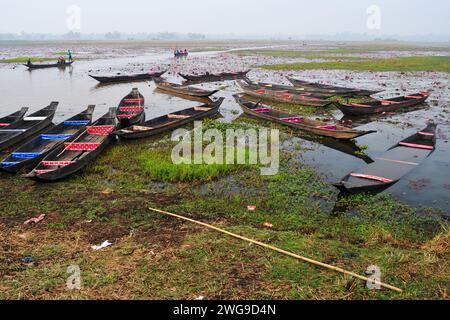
{"points": [[128, 77], [173, 88], [171, 121], [385, 105], [335, 90], [389, 168], [32, 66], [282, 96], [298, 122], [27, 126], [210, 77], [31, 153], [76, 152], [131, 109]]}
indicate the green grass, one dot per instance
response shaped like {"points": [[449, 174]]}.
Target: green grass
{"points": [[160, 167], [157, 257], [24, 59], [440, 64]]}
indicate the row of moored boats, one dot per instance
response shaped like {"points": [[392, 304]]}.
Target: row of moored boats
{"points": [[66, 148]]}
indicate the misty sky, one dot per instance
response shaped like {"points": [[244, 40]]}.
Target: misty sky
{"points": [[265, 17]]}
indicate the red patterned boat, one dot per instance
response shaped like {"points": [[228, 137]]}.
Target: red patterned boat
{"points": [[131, 109], [77, 151]]}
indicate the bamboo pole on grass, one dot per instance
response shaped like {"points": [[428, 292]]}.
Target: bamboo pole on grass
{"points": [[293, 255]]}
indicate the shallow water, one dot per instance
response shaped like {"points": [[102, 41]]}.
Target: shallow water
{"points": [[428, 185]]}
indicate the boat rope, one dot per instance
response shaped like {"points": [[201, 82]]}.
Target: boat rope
{"points": [[264, 245]]}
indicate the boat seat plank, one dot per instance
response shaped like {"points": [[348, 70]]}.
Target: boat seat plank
{"points": [[178, 116], [34, 118]]}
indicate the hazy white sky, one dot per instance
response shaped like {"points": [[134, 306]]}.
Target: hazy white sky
{"points": [[293, 17]]}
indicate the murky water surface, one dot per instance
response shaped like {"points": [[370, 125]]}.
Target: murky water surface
{"points": [[428, 185]]}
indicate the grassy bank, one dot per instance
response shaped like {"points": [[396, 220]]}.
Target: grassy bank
{"points": [[25, 59], [440, 64], [156, 257]]}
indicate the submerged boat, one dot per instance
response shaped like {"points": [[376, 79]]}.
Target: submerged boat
{"points": [[389, 168], [128, 77], [385, 105], [177, 89], [171, 121], [298, 122], [131, 109], [48, 65], [324, 88], [76, 152], [30, 154], [27, 126], [282, 96], [210, 77], [12, 118]]}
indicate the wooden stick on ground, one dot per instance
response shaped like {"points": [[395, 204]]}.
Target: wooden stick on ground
{"points": [[261, 244]]}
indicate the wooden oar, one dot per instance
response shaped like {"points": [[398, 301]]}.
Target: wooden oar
{"points": [[314, 262]]}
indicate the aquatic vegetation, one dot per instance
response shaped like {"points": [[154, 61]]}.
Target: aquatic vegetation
{"points": [[441, 64], [24, 59]]}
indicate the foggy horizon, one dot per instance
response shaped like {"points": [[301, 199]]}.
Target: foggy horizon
{"points": [[256, 18]]}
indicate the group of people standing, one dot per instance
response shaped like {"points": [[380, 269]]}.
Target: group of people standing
{"points": [[181, 53], [62, 60]]}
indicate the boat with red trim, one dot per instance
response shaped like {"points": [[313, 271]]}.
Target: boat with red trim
{"points": [[76, 152], [389, 168], [282, 96], [384, 105], [12, 118], [182, 90], [335, 90], [26, 127], [319, 128], [290, 89], [171, 121], [31, 153], [131, 109]]}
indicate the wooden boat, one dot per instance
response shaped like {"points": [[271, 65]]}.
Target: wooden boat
{"points": [[128, 77], [324, 88], [131, 109], [177, 89], [282, 96], [389, 168], [12, 118], [209, 77], [48, 65], [27, 126], [171, 121], [298, 122], [385, 105], [290, 89], [30, 154], [74, 154]]}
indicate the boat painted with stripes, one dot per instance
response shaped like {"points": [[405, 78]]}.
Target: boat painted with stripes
{"points": [[26, 127], [319, 128], [77, 152], [282, 96], [131, 109], [31, 153], [402, 103], [7, 121], [171, 121], [394, 164]]}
